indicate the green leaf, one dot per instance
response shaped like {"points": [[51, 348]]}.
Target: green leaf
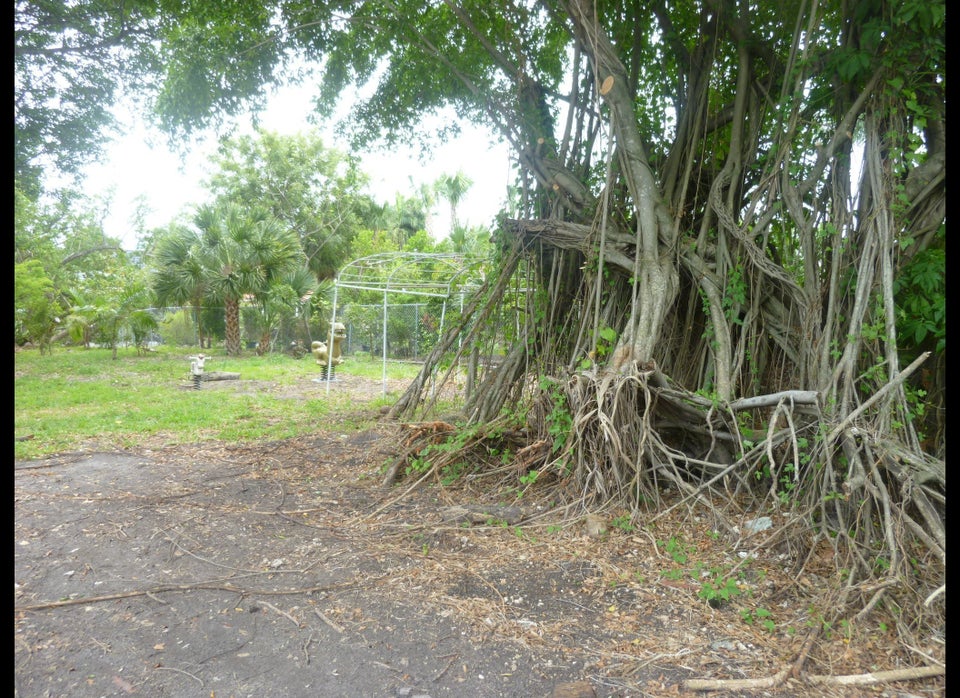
{"points": [[608, 334]]}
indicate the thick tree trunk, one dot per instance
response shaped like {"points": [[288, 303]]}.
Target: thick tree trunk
{"points": [[741, 282], [654, 272], [263, 346], [232, 310]]}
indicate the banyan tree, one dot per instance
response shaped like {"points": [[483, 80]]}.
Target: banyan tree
{"points": [[722, 272]]}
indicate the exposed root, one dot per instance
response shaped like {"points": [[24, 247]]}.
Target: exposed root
{"points": [[602, 440], [419, 436]]}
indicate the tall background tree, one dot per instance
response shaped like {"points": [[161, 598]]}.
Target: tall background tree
{"points": [[74, 61], [242, 253], [452, 188], [315, 191], [72, 280], [178, 276], [231, 255]]}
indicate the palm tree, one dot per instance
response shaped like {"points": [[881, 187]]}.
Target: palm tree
{"points": [[409, 216], [231, 254], [470, 241], [127, 309], [242, 252], [426, 195], [178, 275], [286, 296], [453, 188], [81, 321]]}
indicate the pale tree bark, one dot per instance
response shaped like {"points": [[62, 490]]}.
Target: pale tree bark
{"points": [[655, 275]]}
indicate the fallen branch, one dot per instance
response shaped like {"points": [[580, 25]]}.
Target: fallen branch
{"points": [[453, 657], [923, 672], [930, 599], [735, 684], [326, 620], [282, 613], [873, 677], [181, 671], [397, 499], [183, 587]]}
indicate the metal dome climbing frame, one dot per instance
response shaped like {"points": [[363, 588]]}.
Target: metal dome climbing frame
{"points": [[434, 275]]}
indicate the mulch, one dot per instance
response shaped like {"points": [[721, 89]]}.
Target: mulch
{"points": [[288, 569]]}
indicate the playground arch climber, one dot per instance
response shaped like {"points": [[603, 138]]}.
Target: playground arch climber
{"points": [[445, 276]]}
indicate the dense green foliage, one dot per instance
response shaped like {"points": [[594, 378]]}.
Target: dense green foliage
{"points": [[735, 140], [285, 214], [35, 304], [315, 191], [75, 60], [71, 280], [234, 252]]}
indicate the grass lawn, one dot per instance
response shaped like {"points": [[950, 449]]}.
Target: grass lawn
{"points": [[77, 395]]}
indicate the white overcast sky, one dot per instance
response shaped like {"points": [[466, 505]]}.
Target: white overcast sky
{"points": [[132, 168]]}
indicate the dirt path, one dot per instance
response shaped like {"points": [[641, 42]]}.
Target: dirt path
{"points": [[285, 569], [244, 572]]}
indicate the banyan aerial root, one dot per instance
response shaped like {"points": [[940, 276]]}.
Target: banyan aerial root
{"points": [[631, 438]]}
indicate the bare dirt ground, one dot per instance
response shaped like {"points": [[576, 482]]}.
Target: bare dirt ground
{"points": [[287, 569]]}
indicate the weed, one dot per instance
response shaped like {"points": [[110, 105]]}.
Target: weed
{"points": [[718, 592], [623, 523], [677, 549], [523, 535], [530, 477], [418, 464], [494, 521], [559, 421], [606, 340], [816, 618], [453, 472], [761, 616]]}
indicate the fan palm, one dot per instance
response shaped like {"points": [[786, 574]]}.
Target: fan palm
{"points": [[286, 296], [242, 252], [178, 275], [453, 188]]}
